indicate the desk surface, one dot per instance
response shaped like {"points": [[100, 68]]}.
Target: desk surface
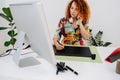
{"points": [[87, 70]]}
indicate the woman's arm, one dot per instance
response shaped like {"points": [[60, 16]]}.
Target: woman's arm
{"points": [[84, 33]]}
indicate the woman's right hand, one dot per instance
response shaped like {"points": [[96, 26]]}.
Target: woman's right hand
{"points": [[59, 46]]}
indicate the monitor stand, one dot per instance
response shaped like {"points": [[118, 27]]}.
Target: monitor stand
{"points": [[19, 59]]}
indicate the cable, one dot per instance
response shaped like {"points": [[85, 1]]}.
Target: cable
{"points": [[61, 67], [7, 52]]}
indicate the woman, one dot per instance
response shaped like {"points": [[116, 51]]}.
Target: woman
{"points": [[73, 26]]}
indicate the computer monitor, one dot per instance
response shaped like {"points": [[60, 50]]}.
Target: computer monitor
{"points": [[30, 18]]}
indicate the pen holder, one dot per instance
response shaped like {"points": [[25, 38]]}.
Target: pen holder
{"points": [[118, 66]]}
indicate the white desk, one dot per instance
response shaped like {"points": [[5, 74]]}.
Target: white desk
{"points": [[44, 71]]}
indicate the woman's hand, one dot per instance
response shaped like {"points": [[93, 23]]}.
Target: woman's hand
{"points": [[59, 46], [79, 21]]}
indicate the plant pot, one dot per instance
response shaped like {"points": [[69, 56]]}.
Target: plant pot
{"points": [[118, 66]]}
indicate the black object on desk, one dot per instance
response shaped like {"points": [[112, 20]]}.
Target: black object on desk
{"points": [[75, 51], [62, 68], [72, 70]]}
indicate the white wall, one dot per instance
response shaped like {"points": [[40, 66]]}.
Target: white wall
{"points": [[104, 16]]}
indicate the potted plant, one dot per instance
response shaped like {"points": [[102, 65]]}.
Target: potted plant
{"points": [[97, 39], [11, 27]]}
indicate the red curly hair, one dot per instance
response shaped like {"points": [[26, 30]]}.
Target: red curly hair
{"points": [[84, 10]]}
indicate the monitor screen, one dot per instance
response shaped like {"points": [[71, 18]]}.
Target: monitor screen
{"points": [[30, 18]]}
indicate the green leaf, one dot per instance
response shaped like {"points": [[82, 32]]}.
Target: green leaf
{"points": [[90, 30], [94, 42], [107, 44], [98, 36], [3, 28], [14, 27], [5, 17], [7, 43], [11, 24], [15, 34], [12, 41], [100, 43], [7, 12], [11, 33]]}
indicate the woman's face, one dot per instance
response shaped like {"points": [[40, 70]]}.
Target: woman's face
{"points": [[74, 10]]}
